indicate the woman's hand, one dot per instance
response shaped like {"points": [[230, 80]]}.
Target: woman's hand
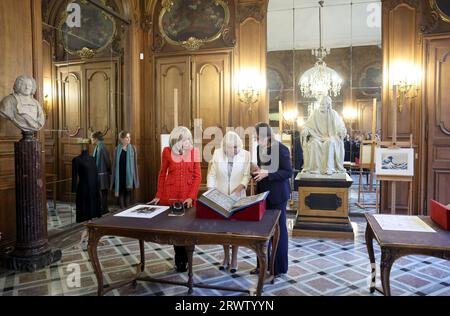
{"points": [[188, 203], [238, 190], [260, 175], [155, 201]]}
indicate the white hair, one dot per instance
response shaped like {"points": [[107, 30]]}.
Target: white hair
{"points": [[232, 138], [178, 136]]}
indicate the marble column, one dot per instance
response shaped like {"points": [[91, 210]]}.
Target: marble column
{"points": [[32, 251]]}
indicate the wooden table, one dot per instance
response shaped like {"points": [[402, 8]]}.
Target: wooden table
{"points": [[397, 244], [187, 231]]}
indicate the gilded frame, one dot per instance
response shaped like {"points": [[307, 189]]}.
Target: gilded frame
{"points": [[435, 7], [85, 52], [193, 43]]}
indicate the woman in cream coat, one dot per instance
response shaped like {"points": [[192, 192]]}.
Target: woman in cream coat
{"points": [[229, 173]]}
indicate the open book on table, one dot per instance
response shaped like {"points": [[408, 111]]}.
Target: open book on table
{"points": [[227, 205]]}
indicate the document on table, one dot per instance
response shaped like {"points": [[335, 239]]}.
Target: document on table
{"points": [[143, 211], [403, 223]]}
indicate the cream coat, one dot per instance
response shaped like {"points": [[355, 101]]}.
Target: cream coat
{"points": [[218, 172]]}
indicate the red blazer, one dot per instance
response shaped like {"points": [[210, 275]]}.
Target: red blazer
{"points": [[180, 178]]}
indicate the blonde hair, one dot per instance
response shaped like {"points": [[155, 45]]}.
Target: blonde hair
{"points": [[178, 135], [232, 138]]}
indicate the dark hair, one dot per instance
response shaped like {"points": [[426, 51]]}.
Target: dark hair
{"points": [[263, 129], [123, 134], [98, 136]]}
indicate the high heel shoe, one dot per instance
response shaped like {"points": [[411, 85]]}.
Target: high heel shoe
{"points": [[223, 267], [233, 270]]}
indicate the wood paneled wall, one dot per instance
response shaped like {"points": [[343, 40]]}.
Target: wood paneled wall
{"points": [[412, 32], [205, 79], [21, 53], [402, 43]]}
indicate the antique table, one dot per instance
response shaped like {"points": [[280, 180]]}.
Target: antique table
{"points": [[187, 231], [396, 244]]}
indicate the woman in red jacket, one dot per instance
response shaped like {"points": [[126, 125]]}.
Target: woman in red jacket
{"points": [[179, 179]]}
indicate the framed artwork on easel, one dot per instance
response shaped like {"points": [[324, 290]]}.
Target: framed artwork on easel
{"points": [[394, 162]]}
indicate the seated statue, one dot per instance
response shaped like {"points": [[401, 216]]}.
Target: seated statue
{"points": [[21, 108], [323, 141]]}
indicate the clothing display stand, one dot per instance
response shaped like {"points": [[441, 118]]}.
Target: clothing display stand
{"points": [[394, 179], [368, 165]]}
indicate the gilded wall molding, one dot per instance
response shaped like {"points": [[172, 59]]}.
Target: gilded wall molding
{"points": [[255, 11]]}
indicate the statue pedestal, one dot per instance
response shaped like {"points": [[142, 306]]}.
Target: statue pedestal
{"points": [[31, 251], [323, 207]]}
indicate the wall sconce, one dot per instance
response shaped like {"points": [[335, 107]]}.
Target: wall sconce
{"points": [[350, 114], [301, 122], [405, 80], [249, 88], [290, 116], [47, 97]]}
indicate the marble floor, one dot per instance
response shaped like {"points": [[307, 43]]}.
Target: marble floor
{"points": [[317, 267]]}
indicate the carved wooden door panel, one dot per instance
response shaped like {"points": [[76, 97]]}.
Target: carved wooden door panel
{"points": [[173, 95], [211, 99], [102, 101], [438, 118], [71, 122], [88, 100]]}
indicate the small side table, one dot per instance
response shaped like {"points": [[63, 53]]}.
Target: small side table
{"points": [[397, 244]]}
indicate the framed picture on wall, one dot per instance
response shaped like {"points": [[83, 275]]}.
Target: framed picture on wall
{"points": [[193, 23], [442, 7], [394, 162]]}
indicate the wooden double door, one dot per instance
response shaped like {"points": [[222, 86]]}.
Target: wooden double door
{"points": [[191, 88], [437, 120], [88, 100]]}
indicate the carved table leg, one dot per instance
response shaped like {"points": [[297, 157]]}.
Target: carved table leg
{"points": [[141, 266], [190, 254], [370, 251], [93, 256], [388, 257], [275, 241], [142, 249], [261, 252]]}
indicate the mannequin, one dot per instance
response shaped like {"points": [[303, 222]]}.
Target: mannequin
{"points": [[88, 202]]}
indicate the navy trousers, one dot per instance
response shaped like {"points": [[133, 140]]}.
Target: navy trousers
{"points": [[281, 257]]}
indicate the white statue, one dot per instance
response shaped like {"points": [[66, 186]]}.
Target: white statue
{"points": [[21, 108], [323, 141]]}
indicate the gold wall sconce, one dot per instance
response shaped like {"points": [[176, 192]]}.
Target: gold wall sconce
{"points": [[249, 87], [405, 82], [47, 98]]}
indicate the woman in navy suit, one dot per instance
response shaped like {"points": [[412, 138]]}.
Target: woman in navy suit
{"points": [[273, 174]]}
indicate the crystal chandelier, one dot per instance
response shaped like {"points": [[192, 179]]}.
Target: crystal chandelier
{"points": [[320, 80]]}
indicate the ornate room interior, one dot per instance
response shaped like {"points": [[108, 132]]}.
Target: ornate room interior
{"points": [[149, 66]]}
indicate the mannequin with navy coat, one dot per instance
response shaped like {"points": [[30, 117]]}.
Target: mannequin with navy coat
{"points": [[85, 185]]}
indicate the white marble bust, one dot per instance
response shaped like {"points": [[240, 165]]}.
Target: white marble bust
{"points": [[323, 141], [21, 108]]}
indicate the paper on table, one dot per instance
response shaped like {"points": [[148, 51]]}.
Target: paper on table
{"points": [[403, 223], [143, 211]]}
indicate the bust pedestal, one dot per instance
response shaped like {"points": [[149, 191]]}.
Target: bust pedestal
{"points": [[323, 207], [31, 251]]}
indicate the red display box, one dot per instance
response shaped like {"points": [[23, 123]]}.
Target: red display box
{"points": [[254, 213], [440, 214]]}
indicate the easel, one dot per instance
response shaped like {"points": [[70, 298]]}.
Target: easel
{"points": [[395, 179], [371, 164]]}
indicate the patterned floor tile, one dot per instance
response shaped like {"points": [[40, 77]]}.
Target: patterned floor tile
{"points": [[316, 267]]}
